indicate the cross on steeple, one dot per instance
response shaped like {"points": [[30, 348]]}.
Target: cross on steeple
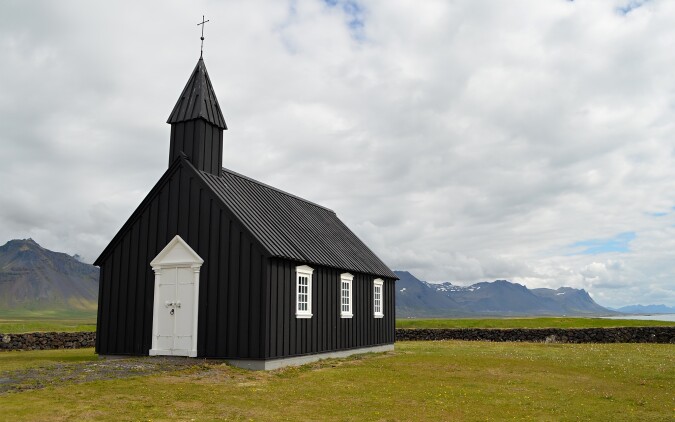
{"points": [[201, 53]]}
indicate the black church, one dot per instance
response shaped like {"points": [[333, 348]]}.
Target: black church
{"points": [[215, 264]]}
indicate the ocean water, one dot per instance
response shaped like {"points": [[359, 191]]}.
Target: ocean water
{"points": [[652, 317]]}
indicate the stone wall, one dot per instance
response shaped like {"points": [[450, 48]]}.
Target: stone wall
{"points": [[551, 335], [46, 341]]}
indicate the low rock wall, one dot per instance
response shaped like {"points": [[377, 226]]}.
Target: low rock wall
{"points": [[550, 335], [47, 341]]}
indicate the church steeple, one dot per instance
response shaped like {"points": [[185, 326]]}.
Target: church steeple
{"points": [[197, 123]]}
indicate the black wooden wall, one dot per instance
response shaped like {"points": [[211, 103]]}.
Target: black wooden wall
{"points": [[201, 142], [325, 331], [230, 302], [247, 300]]}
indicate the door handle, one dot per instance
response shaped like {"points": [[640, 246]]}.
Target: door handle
{"points": [[177, 304], [168, 304]]}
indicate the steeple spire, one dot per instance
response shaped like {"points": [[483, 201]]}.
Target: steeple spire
{"points": [[198, 100], [197, 123]]}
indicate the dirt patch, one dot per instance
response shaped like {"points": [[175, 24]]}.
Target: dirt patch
{"points": [[104, 369], [197, 370]]}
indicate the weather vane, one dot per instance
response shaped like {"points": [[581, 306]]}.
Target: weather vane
{"points": [[201, 53]]}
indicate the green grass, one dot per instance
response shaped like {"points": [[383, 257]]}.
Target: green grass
{"points": [[14, 326], [419, 381], [18, 360], [46, 314], [550, 322], [22, 321]]}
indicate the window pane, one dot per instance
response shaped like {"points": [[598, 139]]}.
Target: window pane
{"points": [[377, 299], [345, 292]]}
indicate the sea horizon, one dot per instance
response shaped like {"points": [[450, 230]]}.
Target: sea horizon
{"points": [[648, 317]]}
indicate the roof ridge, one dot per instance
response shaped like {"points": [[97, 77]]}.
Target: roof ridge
{"points": [[275, 189]]}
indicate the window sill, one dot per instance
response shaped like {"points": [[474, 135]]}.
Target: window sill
{"points": [[379, 315], [346, 315], [305, 316]]}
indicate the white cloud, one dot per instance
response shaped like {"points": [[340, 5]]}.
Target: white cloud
{"points": [[463, 141]]}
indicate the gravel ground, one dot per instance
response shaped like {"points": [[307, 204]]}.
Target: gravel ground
{"points": [[104, 369]]}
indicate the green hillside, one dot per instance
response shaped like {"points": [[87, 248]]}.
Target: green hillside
{"points": [[38, 283]]}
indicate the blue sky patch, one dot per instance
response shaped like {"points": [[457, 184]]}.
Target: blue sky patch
{"points": [[355, 15], [630, 6], [618, 243]]}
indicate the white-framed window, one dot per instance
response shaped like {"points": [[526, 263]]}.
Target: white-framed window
{"points": [[303, 291], [346, 295], [378, 303]]}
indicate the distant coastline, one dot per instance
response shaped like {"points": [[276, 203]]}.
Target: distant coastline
{"points": [[654, 317]]}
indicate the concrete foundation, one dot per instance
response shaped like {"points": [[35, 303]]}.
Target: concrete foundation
{"points": [[268, 365]]}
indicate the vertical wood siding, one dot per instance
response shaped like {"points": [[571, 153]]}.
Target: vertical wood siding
{"points": [[200, 141], [325, 331], [230, 323]]}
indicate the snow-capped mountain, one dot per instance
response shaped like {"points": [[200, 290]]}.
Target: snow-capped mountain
{"points": [[498, 298]]}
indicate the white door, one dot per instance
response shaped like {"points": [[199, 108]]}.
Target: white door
{"points": [[176, 298], [174, 317]]}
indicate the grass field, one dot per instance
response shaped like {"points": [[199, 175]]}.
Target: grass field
{"points": [[13, 322], [419, 381], [550, 322], [21, 360], [14, 326], [46, 314]]}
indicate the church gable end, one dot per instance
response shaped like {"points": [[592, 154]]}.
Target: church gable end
{"points": [[230, 291]]}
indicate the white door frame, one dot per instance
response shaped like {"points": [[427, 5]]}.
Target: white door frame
{"points": [[176, 254]]}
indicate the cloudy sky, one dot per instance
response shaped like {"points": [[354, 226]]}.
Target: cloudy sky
{"points": [[464, 141]]}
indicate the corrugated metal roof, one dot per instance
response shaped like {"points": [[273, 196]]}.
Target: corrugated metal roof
{"points": [[294, 228], [198, 100]]}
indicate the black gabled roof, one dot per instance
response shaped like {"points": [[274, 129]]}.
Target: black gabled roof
{"points": [[198, 100], [294, 228]]}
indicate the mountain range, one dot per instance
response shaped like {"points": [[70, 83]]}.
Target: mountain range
{"points": [[647, 309], [416, 298], [39, 281], [35, 279]]}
